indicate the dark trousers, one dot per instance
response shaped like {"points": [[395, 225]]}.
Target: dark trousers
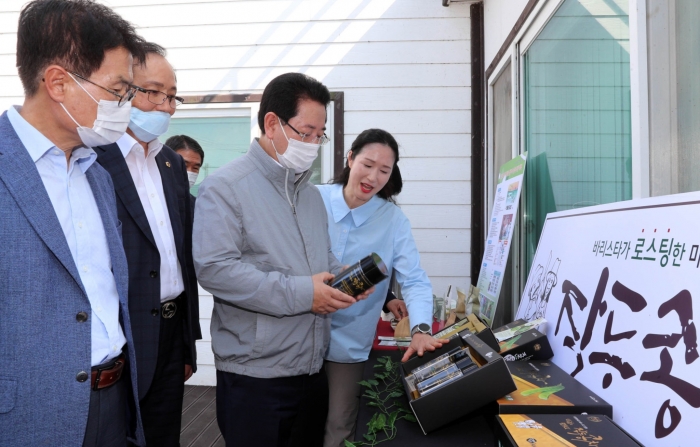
{"points": [[106, 425], [161, 407], [277, 412]]}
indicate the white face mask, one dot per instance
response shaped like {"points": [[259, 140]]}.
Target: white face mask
{"points": [[192, 177], [110, 124], [299, 155]]}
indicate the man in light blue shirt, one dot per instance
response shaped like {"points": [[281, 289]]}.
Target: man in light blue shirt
{"points": [[66, 349], [71, 196]]}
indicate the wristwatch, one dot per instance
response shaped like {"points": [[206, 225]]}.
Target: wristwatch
{"points": [[422, 328]]}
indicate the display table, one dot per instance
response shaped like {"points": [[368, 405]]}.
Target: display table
{"points": [[384, 329], [472, 431]]}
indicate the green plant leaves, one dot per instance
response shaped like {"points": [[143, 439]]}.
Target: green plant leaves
{"points": [[383, 396], [410, 417], [392, 419]]}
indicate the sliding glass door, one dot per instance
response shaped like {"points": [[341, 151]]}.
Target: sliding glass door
{"points": [[576, 114]]}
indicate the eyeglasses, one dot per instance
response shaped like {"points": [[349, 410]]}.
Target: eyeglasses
{"points": [[158, 98], [123, 99], [323, 139]]}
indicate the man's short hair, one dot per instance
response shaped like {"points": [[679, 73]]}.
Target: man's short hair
{"points": [[282, 96], [150, 48], [179, 142], [71, 33]]}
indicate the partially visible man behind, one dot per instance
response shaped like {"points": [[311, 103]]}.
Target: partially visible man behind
{"points": [[67, 362], [192, 153], [261, 247], [153, 205]]}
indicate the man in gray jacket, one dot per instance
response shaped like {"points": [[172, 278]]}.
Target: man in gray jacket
{"points": [[261, 247]]}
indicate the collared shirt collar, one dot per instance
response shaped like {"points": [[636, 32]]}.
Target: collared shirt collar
{"points": [[360, 214], [126, 143], [273, 169], [37, 144]]}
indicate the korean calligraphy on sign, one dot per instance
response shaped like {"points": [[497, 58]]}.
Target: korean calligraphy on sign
{"points": [[621, 309]]}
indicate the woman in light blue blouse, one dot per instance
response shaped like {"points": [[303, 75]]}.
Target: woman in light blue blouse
{"points": [[363, 218]]}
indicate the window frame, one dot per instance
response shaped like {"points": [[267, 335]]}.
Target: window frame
{"points": [[535, 16], [333, 154]]}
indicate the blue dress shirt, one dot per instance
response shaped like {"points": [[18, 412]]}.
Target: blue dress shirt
{"points": [[381, 227], [81, 222]]}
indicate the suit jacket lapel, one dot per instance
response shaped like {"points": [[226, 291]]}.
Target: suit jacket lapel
{"points": [[114, 241], [111, 158], [168, 176], [19, 174]]}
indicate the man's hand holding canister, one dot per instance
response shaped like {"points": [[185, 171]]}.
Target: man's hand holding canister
{"points": [[327, 299]]}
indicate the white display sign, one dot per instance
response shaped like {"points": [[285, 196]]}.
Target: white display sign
{"points": [[619, 285], [505, 208]]}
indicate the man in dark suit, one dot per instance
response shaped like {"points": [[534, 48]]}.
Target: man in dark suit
{"points": [[154, 207], [67, 363]]}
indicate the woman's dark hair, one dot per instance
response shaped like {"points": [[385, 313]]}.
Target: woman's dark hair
{"points": [[369, 136], [72, 33], [178, 142], [282, 96]]}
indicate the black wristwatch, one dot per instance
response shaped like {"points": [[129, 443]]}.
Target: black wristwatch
{"points": [[422, 328]]}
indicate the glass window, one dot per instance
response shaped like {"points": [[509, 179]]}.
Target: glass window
{"points": [[688, 93], [502, 122], [225, 131], [222, 138], [576, 113], [502, 153]]}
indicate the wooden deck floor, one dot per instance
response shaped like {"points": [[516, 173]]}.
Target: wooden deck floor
{"points": [[199, 428]]}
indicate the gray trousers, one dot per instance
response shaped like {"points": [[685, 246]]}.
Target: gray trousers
{"points": [[343, 401], [106, 425]]}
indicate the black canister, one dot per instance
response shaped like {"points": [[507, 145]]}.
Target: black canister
{"points": [[360, 276]]}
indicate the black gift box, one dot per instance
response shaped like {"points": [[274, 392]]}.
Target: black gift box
{"points": [[544, 388], [527, 345], [486, 335], [527, 430], [476, 388]]}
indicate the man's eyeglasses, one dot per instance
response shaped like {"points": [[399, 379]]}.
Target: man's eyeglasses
{"points": [[309, 138], [123, 98], [158, 98]]}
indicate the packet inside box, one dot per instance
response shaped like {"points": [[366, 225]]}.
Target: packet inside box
{"points": [[520, 340], [451, 382], [473, 324], [566, 430], [543, 387]]}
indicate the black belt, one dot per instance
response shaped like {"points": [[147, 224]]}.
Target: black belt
{"points": [[168, 309]]}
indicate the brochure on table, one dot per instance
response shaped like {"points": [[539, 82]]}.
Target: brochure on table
{"points": [[505, 208], [616, 285]]}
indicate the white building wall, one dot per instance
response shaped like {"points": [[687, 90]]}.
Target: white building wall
{"points": [[403, 65], [499, 18]]}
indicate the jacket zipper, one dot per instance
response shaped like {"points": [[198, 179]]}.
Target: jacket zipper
{"points": [[306, 254]]}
